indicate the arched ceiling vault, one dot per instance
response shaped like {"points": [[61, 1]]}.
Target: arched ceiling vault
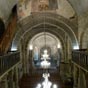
{"points": [[60, 39], [66, 8], [29, 35], [49, 19], [44, 35], [43, 39], [80, 6]]}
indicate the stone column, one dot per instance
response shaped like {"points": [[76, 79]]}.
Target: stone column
{"points": [[23, 59], [13, 81], [67, 62], [31, 61], [85, 86], [81, 80], [10, 79], [59, 59], [17, 79], [3, 83], [27, 62], [75, 76], [86, 77], [66, 53]]}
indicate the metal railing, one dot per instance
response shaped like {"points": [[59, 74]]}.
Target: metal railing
{"points": [[80, 57], [7, 61]]}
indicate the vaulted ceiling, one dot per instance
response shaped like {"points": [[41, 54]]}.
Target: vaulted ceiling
{"points": [[66, 8], [53, 23], [79, 6]]}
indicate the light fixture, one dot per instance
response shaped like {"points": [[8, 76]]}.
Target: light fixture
{"points": [[45, 55], [54, 86], [39, 86], [46, 83], [58, 46], [76, 47], [31, 47], [45, 64], [14, 48]]}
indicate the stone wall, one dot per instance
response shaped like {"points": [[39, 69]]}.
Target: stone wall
{"points": [[80, 6], [6, 7], [83, 30]]}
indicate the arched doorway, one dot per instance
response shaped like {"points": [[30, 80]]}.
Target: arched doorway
{"points": [[39, 46]]}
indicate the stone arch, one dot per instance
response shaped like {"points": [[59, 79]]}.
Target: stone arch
{"points": [[50, 18], [56, 39]]}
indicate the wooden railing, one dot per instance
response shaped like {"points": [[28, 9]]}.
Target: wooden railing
{"points": [[8, 61], [8, 35], [80, 57]]}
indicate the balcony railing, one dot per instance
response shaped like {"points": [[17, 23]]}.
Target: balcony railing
{"points": [[80, 57], [8, 61]]}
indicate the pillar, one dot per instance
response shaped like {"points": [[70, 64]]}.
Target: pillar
{"points": [[10, 79], [31, 61], [16, 77], [86, 77], [75, 76], [81, 80], [4, 82], [22, 56]]}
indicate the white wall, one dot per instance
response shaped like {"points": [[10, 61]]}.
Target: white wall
{"points": [[80, 6], [65, 9], [6, 7]]}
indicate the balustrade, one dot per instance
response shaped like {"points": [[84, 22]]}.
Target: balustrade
{"points": [[80, 57], [7, 61]]}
